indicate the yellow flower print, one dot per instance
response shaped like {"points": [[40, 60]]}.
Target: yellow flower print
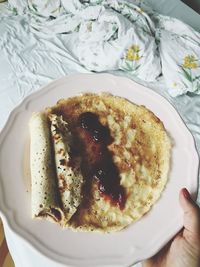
{"points": [[140, 11], [174, 84], [190, 62], [133, 53]]}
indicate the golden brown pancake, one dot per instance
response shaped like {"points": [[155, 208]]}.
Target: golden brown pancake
{"points": [[137, 149]]}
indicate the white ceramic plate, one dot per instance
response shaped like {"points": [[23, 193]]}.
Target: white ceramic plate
{"points": [[124, 248]]}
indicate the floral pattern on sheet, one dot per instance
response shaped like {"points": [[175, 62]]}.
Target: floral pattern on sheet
{"points": [[133, 53], [131, 60], [124, 35], [180, 56], [190, 62]]}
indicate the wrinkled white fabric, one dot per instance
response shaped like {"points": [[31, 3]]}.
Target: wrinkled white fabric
{"points": [[180, 56], [107, 35]]}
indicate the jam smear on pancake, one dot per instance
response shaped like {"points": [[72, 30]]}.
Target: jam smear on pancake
{"points": [[98, 159]]}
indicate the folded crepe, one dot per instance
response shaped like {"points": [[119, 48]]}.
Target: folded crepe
{"points": [[68, 171], [56, 186], [124, 153]]}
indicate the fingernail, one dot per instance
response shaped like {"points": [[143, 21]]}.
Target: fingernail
{"points": [[186, 193]]}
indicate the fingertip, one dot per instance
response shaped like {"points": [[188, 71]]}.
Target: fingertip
{"points": [[185, 193], [185, 198], [191, 212]]}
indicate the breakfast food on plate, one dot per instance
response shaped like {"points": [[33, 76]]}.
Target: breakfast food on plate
{"points": [[56, 187], [45, 201], [69, 177], [104, 162]]}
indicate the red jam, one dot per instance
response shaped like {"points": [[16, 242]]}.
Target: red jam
{"points": [[101, 167]]}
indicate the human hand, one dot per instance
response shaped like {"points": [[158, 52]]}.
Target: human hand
{"points": [[184, 249]]}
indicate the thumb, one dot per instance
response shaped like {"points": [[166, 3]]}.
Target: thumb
{"points": [[191, 219]]}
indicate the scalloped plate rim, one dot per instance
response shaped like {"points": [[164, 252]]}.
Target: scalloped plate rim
{"points": [[22, 106]]}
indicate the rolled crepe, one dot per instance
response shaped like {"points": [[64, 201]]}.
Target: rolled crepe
{"points": [[45, 195], [70, 179]]}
